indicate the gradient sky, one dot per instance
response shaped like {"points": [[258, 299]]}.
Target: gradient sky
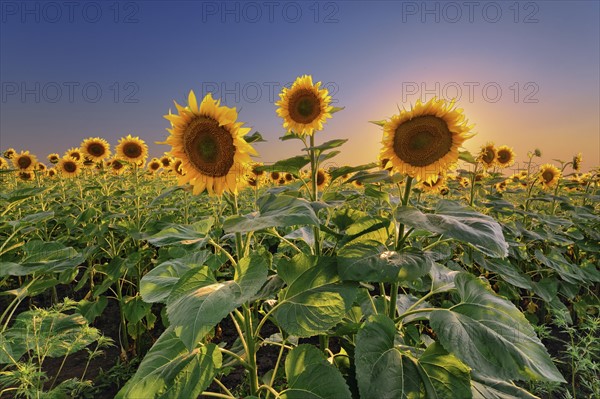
{"points": [[528, 73]]}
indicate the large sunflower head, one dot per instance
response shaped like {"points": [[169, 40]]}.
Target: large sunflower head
{"points": [[9, 153], [132, 149], [95, 148], [488, 155], [549, 175], [210, 144], [69, 167], [424, 141], [577, 159], [304, 107], [53, 158], [74, 153], [505, 156], [24, 161]]}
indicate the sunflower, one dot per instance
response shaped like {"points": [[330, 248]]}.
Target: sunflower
{"points": [[304, 107], [433, 185], [41, 167], [9, 153], [116, 166], [154, 165], [165, 161], [3, 163], [274, 176], [424, 141], [549, 175], [26, 175], [132, 149], [505, 156], [255, 170], [322, 178], [288, 177], [53, 158], [488, 155], [464, 182], [176, 167], [210, 144], [281, 181], [51, 172], [385, 164], [69, 167], [577, 159], [357, 183], [252, 181], [24, 161], [74, 153], [95, 148], [501, 186]]}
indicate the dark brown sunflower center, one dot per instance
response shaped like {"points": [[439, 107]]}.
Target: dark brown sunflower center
{"points": [[504, 156], [116, 165], [24, 162], [275, 175], [154, 165], [75, 155], [304, 106], [488, 155], [320, 178], [423, 140], [547, 175], [209, 147], [252, 181], [69, 166], [96, 149], [165, 162], [132, 150]]}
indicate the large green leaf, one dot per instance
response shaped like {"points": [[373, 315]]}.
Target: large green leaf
{"points": [[274, 211], [40, 256], [198, 302], [311, 376], [289, 165], [384, 370], [169, 370], [182, 234], [457, 221], [371, 261], [491, 335], [489, 388], [315, 299]]}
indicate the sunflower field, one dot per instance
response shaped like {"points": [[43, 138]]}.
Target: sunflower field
{"points": [[428, 273]]}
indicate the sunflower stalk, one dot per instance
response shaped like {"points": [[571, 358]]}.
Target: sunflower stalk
{"points": [[400, 240]]}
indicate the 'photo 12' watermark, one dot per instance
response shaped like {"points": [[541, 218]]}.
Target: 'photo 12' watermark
{"points": [[52, 12], [69, 92], [490, 91], [452, 12], [326, 12], [254, 92]]}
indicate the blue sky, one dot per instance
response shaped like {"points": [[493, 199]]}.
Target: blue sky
{"points": [[527, 73]]}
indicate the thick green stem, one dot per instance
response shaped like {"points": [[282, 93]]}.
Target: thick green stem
{"points": [[251, 354]]}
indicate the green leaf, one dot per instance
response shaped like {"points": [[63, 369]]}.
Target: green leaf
{"points": [[382, 370], [40, 256], [489, 388], [444, 376], [311, 376], [491, 335], [457, 221], [314, 299], [328, 145], [255, 137], [23, 193], [91, 310], [169, 370], [371, 262], [182, 234], [290, 165], [507, 271], [274, 211], [198, 302], [344, 170], [467, 157]]}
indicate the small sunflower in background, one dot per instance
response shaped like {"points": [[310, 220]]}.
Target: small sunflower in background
{"points": [[74, 153], [24, 161], [488, 155], [69, 167], [501, 186], [211, 145], [176, 167], [51, 172], [385, 164], [304, 107], [423, 142], [274, 176], [288, 177], [53, 158], [357, 183], [577, 159], [132, 149], [95, 149], [549, 175], [322, 179], [434, 185], [255, 171], [154, 165], [505, 156], [3, 163], [116, 166], [26, 175], [9, 153], [41, 167], [166, 161]]}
